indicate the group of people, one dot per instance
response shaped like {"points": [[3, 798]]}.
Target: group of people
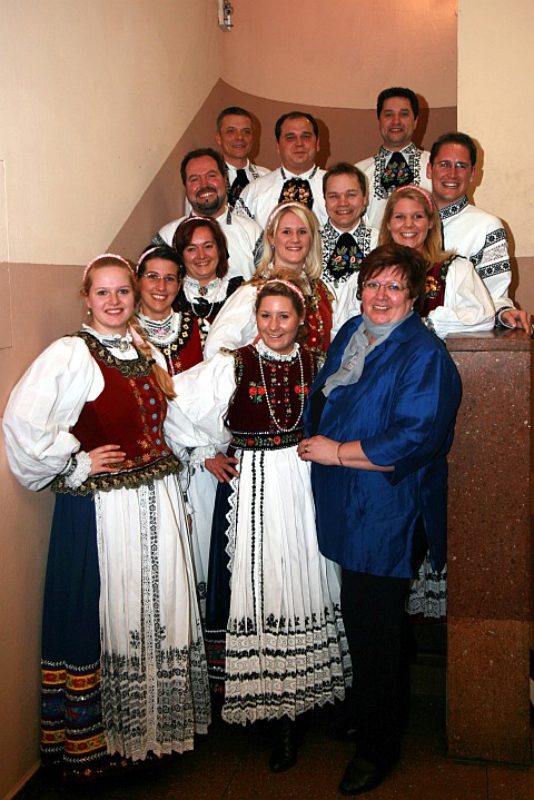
{"points": [[247, 439]]}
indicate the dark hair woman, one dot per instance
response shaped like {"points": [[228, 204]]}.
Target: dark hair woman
{"points": [[380, 422]]}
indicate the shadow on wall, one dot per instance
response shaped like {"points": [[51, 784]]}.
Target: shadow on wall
{"points": [[346, 134]]}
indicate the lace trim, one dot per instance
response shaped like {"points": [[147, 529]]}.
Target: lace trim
{"points": [[272, 355], [78, 470]]}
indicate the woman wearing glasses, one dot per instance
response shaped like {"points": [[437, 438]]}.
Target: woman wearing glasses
{"points": [[380, 421], [177, 334]]}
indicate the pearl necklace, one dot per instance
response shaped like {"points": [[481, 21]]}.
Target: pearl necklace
{"points": [[301, 395]]}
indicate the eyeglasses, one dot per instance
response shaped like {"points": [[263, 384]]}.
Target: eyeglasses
{"points": [[170, 280], [390, 288]]}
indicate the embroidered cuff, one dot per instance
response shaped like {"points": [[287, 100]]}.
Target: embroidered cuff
{"points": [[78, 469], [198, 455]]}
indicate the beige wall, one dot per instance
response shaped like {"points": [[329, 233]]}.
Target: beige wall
{"points": [[342, 52], [94, 98], [495, 59]]}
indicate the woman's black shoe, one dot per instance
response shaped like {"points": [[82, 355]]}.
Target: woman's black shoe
{"points": [[360, 776], [284, 754]]}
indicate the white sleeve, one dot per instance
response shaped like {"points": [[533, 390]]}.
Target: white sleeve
{"points": [[248, 198], [468, 307], [347, 306], [196, 416], [42, 408], [235, 324]]}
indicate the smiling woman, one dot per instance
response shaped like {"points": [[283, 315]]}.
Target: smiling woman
{"points": [[456, 299], [291, 241], [202, 253], [380, 422], [90, 418], [275, 639]]}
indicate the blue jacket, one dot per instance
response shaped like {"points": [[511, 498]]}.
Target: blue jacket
{"points": [[402, 410]]}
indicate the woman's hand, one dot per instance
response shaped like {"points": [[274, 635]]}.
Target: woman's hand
{"points": [[222, 467], [107, 458], [320, 449]]}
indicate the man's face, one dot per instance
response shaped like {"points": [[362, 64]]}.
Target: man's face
{"points": [[345, 201], [451, 173], [298, 145], [234, 138], [205, 187], [396, 123]]}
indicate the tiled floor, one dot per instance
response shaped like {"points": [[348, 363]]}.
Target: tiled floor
{"points": [[231, 764]]}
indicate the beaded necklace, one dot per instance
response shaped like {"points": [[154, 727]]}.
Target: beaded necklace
{"points": [[278, 426]]}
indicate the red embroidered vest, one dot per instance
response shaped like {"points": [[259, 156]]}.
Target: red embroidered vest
{"points": [[249, 418], [129, 412]]}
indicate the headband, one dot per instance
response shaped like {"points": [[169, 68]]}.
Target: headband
{"points": [[289, 285], [106, 255], [144, 255], [426, 195]]}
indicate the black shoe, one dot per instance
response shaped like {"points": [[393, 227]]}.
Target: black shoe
{"points": [[360, 776], [284, 754]]}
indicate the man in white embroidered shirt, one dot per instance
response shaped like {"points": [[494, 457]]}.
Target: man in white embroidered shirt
{"points": [[235, 139], [203, 175], [399, 161], [298, 177], [468, 230], [345, 238]]}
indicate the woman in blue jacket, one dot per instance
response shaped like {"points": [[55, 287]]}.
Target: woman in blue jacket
{"points": [[380, 421]]}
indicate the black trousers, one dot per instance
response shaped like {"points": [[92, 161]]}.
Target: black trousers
{"points": [[376, 626]]}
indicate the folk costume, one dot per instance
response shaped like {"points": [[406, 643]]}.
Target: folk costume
{"points": [[263, 195], [205, 302], [123, 662], [273, 619], [479, 236], [343, 253], [243, 236], [386, 171]]}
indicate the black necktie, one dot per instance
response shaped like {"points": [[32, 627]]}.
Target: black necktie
{"points": [[346, 257], [241, 180], [298, 190], [396, 173]]}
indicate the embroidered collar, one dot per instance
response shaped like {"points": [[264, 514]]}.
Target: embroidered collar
{"points": [[272, 355], [410, 150], [412, 155], [303, 177], [454, 208], [193, 290], [161, 332], [359, 228], [122, 345]]}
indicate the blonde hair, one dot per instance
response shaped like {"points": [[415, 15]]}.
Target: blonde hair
{"points": [[432, 248], [111, 260], [313, 263]]}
